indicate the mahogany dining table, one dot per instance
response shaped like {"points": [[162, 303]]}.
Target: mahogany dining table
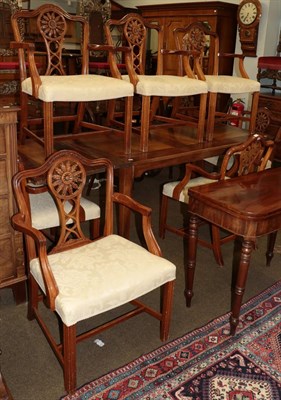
{"points": [[167, 146], [248, 206]]}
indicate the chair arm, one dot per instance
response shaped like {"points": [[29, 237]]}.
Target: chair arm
{"points": [[189, 170], [186, 55], [112, 50], [241, 57], [19, 223], [34, 74], [145, 212]]}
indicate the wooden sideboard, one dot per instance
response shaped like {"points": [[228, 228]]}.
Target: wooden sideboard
{"points": [[220, 16], [12, 267]]}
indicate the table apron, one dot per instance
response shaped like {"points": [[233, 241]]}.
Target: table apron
{"points": [[241, 225]]}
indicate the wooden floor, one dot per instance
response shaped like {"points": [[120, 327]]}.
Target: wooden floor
{"points": [[167, 147]]}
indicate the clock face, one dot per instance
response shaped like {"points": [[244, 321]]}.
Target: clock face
{"points": [[248, 13]]}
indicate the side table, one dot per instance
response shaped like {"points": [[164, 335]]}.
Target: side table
{"points": [[248, 206]]}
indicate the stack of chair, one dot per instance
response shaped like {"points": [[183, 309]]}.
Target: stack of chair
{"points": [[135, 31]]}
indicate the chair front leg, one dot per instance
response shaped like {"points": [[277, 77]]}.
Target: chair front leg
{"points": [[163, 216], [167, 304], [145, 122], [211, 116], [69, 357]]}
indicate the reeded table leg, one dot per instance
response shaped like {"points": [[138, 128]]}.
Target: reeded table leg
{"points": [[239, 289], [191, 258]]}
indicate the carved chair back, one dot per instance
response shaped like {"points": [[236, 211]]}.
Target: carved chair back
{"points": [[250, 156], [63, 175], [49, 26], [134, 32], [198, 37]]}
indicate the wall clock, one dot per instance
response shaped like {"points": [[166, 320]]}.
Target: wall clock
{"points": [[248, 17]]}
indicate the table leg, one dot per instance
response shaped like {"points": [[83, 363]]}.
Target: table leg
{"points": [[241, 278], [191, 258], [271, 239], [126, 178]]}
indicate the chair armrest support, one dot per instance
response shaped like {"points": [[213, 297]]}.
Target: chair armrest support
{"points": [[19, 223], [189, 170], [185, 56], [145, 212], [240, 57], [34, 74], [112, 50]]}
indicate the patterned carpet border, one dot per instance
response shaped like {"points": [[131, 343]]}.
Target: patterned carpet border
{"points": [[207, 363]]}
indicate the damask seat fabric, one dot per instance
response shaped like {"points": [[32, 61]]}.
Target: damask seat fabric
{"points": [[169, 187], [231, 84], [168, 85], [79, 88], [115, 271]]}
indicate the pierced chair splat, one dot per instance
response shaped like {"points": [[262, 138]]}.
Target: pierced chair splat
{"points": [[54, 89], [134, 34], [74, 275], [252, 155]]}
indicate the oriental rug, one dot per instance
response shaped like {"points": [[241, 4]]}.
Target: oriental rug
{"points": [[207, 363]]}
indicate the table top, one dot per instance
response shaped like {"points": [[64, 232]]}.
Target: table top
{"points": [[167, 147], [249, 205]]}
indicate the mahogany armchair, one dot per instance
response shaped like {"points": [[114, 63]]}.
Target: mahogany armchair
{"points": [[80, 278], [151, 87], [54, 89], [197, 36], [250, 156]]}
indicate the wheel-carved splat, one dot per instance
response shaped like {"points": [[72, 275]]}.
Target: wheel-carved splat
{"points": [[53, 28], [195, 39], [250, 158], [66, 180], [135, 33]]}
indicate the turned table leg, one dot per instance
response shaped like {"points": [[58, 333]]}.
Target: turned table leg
{"points": [[239, 288]]}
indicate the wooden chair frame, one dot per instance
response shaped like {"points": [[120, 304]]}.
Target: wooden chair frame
{"points": [[65, 172], [194, 37], [54, 44]]}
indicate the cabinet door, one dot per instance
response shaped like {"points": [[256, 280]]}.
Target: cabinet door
{"points": [[12, 269]]}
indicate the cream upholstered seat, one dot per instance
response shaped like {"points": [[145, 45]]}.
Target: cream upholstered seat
{"points": [[135, 31], [132, 268], [252, 155], [80, 278], [198, 37], [62, 97]]}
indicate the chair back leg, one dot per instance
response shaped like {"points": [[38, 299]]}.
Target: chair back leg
{"points": [[48, 128], [254, 111]]}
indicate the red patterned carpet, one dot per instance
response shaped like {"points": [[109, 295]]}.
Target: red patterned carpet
{"points": [[206, 364]]}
